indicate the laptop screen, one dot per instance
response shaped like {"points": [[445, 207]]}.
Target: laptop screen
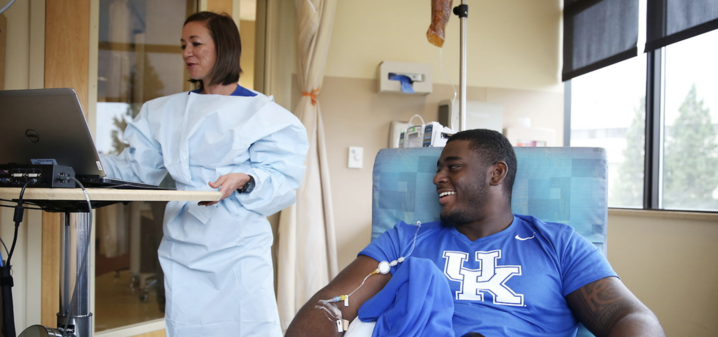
{"points": [[42, 125]]}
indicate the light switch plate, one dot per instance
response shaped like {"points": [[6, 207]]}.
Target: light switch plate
{"points": [[356, 157]]}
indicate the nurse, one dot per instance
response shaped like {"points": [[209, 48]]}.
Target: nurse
{"points": [[216, 255]]}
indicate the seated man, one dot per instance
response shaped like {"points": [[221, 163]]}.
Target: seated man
{"points": [[509, 275]]}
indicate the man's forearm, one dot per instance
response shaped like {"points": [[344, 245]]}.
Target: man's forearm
{"points": [[637, 324], [311, 322]]}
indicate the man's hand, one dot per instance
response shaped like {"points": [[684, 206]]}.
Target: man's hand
{"points": [[607, 308], [313, 322], [227, 184]]}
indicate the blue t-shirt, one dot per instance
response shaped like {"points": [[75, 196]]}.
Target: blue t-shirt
{"points": [[512, 283]]}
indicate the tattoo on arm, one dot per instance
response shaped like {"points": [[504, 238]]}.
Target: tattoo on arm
{"points": [[600, 304]]}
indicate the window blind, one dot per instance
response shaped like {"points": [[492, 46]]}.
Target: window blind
{"points": [[598, 33], [671, 21]]}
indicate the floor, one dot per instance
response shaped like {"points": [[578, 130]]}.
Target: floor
{"points": [[117, 305]]}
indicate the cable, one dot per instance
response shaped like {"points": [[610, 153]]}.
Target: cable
{"points": [[441, 62], [418, 223], [12, 247], [327, 313], [8, 315], [362, 284], [384, 267], [6, 251], [18, 219], [83, 264], [2, 10]]}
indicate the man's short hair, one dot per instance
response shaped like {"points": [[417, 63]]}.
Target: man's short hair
{"points": [[493, 147], [227, 44]]}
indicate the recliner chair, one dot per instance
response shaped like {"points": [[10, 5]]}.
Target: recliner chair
{"points": [[557, 184]]}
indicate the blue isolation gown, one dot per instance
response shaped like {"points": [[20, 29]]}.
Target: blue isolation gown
{"points": [[217, 259]]}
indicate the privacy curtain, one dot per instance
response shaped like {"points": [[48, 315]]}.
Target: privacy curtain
{"points": [[307, 258], [598, 33]]}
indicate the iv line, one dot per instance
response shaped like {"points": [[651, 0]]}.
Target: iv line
{"points": [[441, 62], [384, 267]]}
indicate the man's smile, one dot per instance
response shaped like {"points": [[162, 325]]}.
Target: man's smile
{"points": [[445, 197], [447, 193]]}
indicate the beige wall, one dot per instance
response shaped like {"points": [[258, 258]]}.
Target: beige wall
{"points": [[17, 57], [670, 264], [511, 44], [247, 31]]}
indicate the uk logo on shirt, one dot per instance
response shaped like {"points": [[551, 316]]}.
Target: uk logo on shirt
{"points": [[489, 278]]}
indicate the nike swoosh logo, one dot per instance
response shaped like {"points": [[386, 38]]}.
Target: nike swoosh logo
{"points": [[524, 239]]}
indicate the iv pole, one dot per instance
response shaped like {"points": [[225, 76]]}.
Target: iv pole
{"points": [[462, 11]]}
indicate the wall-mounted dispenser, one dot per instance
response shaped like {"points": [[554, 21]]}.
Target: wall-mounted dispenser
{"points": [[404, 77]]}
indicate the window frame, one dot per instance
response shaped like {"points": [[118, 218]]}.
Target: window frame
{"points": [[654, 135]]}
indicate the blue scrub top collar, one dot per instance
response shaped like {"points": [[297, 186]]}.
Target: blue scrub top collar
{"points": [[240, 91]]}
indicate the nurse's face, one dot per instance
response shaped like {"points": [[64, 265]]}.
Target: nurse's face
{"points": [[198, 51]]}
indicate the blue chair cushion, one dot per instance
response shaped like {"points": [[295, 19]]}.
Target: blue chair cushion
{"points": [[557, 184]]}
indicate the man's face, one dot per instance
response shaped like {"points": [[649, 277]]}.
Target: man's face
{"points": [[461, 182]]}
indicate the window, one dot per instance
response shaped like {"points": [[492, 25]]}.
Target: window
{"points": [[139, 59], [670, 88], [608, 110], [690, 142]]}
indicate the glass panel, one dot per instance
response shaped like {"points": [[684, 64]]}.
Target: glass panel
{"points": [[690, 145], [608, 110], [139, 59]]}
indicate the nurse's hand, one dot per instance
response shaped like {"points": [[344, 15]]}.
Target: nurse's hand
{"points": [[227, 184]]}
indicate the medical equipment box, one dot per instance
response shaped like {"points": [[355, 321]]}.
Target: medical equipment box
{"points": [[432, 134], [48, 176]]}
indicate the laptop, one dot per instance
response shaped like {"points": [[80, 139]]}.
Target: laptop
{"points": [[44, 126]]}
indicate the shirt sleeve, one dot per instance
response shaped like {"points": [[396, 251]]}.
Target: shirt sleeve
{"points": [[582, 263], [389, 245]]}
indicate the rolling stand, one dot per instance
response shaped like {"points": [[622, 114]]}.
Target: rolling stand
{"points": [[75, 238]]}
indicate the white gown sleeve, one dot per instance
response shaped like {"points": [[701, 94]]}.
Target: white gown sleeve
{"points": [[142, 160], [277, 165]]}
